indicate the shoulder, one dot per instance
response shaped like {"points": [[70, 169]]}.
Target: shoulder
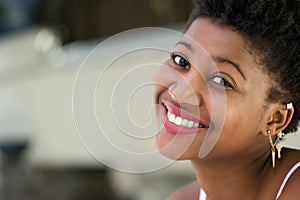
{"points": [[279, 180], [292, 188], [291, 183], [189, 192]]}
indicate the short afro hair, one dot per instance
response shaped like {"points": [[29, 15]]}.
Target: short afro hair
{"points": [[272, 29]]}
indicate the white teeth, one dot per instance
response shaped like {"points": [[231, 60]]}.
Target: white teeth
{"points": [[183, 122], [178, 121], [196, 125], [169, 114], [190, 124], [172, 118]]}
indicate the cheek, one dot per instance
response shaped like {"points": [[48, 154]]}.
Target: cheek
{"points": [[239, 124], [159, 84], [157, 91], [239, 132], [165, 77]]}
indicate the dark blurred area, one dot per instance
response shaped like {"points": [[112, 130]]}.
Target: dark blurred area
{"points": [[88, 19], [19, 181], [18, 14]]}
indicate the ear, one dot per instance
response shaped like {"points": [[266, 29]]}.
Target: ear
{"points": [[279, 117]]}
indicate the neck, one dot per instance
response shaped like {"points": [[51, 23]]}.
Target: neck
{"points": [[231, 179]]}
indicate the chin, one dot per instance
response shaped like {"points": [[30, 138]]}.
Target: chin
{"points": [[174, 148]]}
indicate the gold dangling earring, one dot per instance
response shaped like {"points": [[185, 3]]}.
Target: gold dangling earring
{"points": [[272, 148], [278, 143]]}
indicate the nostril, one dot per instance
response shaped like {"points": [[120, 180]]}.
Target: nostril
{"points": [[180, 92]]}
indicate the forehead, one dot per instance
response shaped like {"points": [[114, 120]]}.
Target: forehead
{"points": [[217, 40], [220, 41]]}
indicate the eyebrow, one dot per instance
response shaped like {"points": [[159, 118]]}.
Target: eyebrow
{"points": [[236, 66], [187, 45]]}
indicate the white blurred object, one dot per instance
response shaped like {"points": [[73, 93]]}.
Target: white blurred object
{"points": [[292, 140], [18, 50], [46, 40]]}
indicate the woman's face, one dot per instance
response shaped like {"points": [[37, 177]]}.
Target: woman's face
{"points": [[211, 85]]}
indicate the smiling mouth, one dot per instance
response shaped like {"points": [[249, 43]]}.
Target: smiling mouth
{"points": [[179, 121], [177, 117]]}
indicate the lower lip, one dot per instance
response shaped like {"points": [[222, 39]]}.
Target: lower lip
{"points": [[175, 129]]}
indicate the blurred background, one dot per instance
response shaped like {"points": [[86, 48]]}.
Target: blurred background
{"points": [[42, 44]]}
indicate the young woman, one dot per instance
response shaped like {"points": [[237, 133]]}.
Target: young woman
{"points": [[232, 85]]}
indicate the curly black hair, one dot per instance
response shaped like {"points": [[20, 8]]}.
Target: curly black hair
{"points": [[271, 29]]}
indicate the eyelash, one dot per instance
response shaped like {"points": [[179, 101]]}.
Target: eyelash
{"points": [[222, 82], [180, 61]]}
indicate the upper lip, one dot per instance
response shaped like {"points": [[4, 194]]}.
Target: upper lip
{"points": [[182, 113]]}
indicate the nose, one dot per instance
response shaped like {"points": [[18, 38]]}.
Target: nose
{"points": [[186, 90]]}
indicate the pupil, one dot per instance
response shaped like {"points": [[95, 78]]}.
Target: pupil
{"points": [[182, 62]]}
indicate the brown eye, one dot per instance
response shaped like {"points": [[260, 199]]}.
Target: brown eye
{"points": [[180, 61]]}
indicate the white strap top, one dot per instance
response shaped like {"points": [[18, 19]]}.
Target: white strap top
{"points": [[287, 178], [202, 195]]}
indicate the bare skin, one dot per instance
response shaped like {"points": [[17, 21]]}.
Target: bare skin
{"points": [[239, 165], [271, 181]]}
